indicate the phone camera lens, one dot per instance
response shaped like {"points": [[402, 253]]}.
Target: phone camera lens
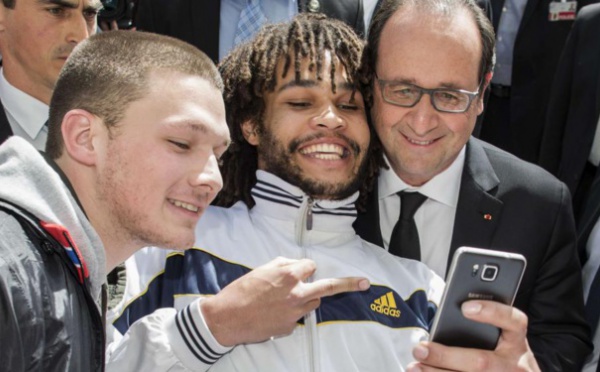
{"points": [[489, 273]]}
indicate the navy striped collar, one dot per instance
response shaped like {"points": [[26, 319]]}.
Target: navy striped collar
{"points": [[276, 196]]}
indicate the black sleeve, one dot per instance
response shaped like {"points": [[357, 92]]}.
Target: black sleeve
{"points": [[558, 107], [558, 333]]}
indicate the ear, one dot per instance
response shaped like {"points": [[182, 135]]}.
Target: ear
{"points": [[78, 133], [486, 83], [250, 133]]}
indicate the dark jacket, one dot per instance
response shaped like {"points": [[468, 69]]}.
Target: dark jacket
{"points": [[197, 21], [48, 319], [530, 214], [537, 49], [574, 105]]}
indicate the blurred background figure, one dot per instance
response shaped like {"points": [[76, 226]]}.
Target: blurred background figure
{"points": [[117, 15], [571, 150], [36, 37], [216, 26], [530, 36], [570, 146], [589, 250]]}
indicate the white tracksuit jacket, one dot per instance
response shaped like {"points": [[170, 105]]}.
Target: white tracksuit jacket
{"points": [[374, 330]]}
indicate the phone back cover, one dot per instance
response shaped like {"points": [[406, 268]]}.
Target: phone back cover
{"points": [[456, 330]]}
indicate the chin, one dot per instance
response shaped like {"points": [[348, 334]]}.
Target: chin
{"points": [[178, 241], [182, 245]]}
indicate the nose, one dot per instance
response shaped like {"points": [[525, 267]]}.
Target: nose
{"points": [[79, 29], [207, 181], [423, 117], [328, 119]]}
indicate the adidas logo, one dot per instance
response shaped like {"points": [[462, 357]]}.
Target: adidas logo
{"points": [[386, 305]]}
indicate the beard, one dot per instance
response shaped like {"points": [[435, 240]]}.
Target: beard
{"points": [[278, 160]]}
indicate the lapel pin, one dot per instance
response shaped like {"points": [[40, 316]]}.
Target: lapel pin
{"points": [[487, 217]]}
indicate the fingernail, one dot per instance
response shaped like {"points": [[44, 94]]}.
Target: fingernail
{"points": [[413, 368], [471, 307], [420, 352], [364, 284]]}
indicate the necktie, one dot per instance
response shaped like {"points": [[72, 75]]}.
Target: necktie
{"points": [[251, 19], [405, 237]]}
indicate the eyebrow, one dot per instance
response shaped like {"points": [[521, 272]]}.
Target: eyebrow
{"points": [[305, 83], [95, 4]]}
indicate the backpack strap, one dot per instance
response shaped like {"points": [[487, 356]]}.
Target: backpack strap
{"points": [[50, 238]]}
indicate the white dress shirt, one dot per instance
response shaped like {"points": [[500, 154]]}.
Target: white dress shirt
{"points": [[435, 217], [368, 10], [589, 270], [26, 115]]}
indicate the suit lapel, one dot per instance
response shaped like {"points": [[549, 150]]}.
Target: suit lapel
{"points": [[589, 217], [529, 11], [598, 79], [478, 210], [367, 223], [591, 211], [5, 130]]}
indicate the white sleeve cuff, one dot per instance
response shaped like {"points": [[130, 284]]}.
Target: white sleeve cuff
{"points": [[191, 340]]}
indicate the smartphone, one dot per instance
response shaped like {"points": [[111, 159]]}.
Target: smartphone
{"points": [[476, 274]]}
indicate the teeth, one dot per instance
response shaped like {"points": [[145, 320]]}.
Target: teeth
{"points": [[183, 205], [327, 151], [422, 143], [326, 156]]}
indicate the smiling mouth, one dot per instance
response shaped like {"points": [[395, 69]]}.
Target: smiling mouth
{"points": [[186, 206], [325, 151], [420, 143]]}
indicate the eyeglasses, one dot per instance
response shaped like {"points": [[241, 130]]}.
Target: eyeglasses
{"points": [[442, 99]]}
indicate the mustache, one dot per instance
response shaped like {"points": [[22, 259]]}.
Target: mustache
{"points": [[296, 143]]}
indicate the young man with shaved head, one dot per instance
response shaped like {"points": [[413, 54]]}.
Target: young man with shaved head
{"points": [[137, 125]]}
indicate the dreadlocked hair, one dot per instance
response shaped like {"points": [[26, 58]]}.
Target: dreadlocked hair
{"points": [[250, 70]]}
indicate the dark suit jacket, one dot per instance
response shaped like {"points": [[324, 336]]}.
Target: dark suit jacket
{"points": [[537, 50], [531, 214], [574, 105], [589, 217], [5, 130], [197, 21]]}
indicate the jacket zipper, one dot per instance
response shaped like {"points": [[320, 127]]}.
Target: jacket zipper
{"points": [[310, 319]]}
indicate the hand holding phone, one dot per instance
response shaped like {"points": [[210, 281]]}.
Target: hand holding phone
{"points": [[476, 274]]}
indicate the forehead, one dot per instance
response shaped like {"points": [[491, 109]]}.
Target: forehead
{"points": [[189, 100], [430, 49], [308, 70]]}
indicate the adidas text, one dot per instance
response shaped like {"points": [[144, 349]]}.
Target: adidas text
{"points": [[385, 310]]}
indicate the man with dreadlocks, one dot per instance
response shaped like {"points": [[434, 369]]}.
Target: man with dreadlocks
{"points": [[301, 152]]}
